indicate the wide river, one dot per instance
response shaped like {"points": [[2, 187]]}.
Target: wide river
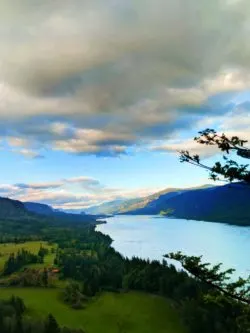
{"points": [[152, 237]]}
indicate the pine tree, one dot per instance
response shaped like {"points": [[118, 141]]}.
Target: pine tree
{"points": [[45, 277], [51, 325], [2, 329], [18, 328]]}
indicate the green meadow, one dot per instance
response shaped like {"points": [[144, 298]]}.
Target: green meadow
{"points": [[131, 312], [8, 248]]}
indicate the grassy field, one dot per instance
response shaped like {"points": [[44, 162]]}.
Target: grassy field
{"points": [[8, 248], [110, 313]]}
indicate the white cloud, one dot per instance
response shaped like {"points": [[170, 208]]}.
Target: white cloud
{"points": [[78, 192], [110, 75], [187, 145], [17, 142], [28, 153], [234, 123]]}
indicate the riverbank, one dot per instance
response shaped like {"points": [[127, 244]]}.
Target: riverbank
{"points": [[152, 237]]}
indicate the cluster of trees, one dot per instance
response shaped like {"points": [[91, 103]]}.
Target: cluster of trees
{"points": [[97, 266], [9, 238], [12, 320], [73, 295], [30, 277], [88, 258], [20, 259], [42, 252]]}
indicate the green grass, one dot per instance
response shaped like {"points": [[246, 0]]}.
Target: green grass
{"points": [[8, 248], [110, 313]]}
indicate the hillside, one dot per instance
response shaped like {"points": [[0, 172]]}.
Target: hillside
{"points": [[228, 203], [38, 208], [46, 210], [24, 211], [125, 312], [111, 207], [13, 209], [131, 205]]}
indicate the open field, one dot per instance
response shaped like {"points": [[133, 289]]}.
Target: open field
{"points": [[110, 313], [8, 248]]}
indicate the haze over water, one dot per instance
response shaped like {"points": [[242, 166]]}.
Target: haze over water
{"points": [[152, 237]]}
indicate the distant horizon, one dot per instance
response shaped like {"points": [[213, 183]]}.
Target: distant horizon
{"points": [[117, 199]]}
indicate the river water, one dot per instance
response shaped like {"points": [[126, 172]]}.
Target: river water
{"points": [[153, 236]]}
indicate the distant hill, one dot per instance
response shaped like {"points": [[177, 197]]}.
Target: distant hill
{"points": [[13, 209], [111, 207], [17, 210], [229, 203], [39, 208], [131, 205], [46, 210]]}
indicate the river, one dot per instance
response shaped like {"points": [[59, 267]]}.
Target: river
{"points": [[152, 236]]}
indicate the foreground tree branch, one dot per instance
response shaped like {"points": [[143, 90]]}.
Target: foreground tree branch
{"points": [[214, 277], [230, 170]]}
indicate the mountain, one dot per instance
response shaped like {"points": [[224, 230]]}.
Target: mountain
{"points": [[228, 203], [46, 210], [23, 211], [131, 205], [13, 209], [111, 207], [70, 211], [39, 208]]}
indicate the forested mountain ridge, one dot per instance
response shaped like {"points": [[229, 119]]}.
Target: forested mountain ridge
{"points": [[38, 208], [130, 205], [111, 207], [46, 210], [19, 211], [12, 208], [228, 203]]}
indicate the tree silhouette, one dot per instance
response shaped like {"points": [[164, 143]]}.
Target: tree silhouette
{"points": [[230, 170], [213, 276], [51, 325], [45, 277]]}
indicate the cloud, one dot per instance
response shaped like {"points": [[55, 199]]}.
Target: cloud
{"points": [[29, 153], [187, 145], [82, 181], [7, 189], [86, 183], [77, 192], [234, 123], [68, 200], [94, 141], [17, 142], [88, 77], [40, 186], [58, 198]]}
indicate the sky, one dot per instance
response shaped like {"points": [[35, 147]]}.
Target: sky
{"points": [[97, 97]]}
